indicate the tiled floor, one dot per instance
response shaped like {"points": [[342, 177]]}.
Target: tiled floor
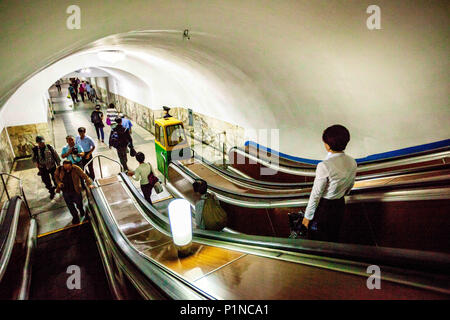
{"points": [[53, 214]]}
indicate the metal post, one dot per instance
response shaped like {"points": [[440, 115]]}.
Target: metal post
{"points": [[100, 165], [223, 150], [4, 187], [26, 204]]}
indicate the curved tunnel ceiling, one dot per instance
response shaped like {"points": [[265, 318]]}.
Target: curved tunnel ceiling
{"points": [[293, 66]]}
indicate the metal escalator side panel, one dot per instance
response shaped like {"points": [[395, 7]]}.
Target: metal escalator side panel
{"points": [[143, 268]]}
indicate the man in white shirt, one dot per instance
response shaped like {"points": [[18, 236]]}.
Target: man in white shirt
{"points": [[334, 179]]}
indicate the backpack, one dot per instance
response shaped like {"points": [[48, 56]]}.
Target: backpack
{"points": [[214, 216], [114, 140], [36, 150], [95, 117]]}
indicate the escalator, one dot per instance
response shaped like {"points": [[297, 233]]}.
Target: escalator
{"points": [[55, 253], [406, 210], [139, 260], [235, 266], [264, 166], [38, 267]]}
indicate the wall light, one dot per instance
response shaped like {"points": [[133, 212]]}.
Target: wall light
{"points": [[181, 225], [111, 56]]}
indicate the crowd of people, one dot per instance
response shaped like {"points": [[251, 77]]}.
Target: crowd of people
{"points": [[335, 176], [76, 158], [82, 88]]}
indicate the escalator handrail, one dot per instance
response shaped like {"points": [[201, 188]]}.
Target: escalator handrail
{"points": [[100, 164], [22, 192], [174, 287], [282, 185], [178, 165], [360, 164], [8, 231], [413, 259]]}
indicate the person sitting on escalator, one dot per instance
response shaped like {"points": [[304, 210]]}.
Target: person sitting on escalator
{"points": [[335, 177], [209, 214]]}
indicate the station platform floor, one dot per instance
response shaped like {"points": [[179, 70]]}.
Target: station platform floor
{"points": [[53, 215]]}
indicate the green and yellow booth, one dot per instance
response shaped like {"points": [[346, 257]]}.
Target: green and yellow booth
{"points": [[170, 142]]}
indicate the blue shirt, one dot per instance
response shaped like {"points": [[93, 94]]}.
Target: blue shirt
{"points": [[126, 123], [87, 143], [71, 157]]}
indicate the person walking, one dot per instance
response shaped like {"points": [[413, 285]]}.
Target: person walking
{"points": [[46, 160], [120, 138], [69, 178], [141, 174], [75, 86], [335, 177], [126, 123], [73, 94], [93, 95], [97, 120], [88, 146], [88, 90], [58, 85], [81, 90]]}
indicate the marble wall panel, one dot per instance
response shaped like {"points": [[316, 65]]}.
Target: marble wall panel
{"points": [[23, 137], [214, 132]]}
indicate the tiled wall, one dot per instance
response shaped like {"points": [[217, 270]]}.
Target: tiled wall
{"points": [[24, 137], [210, 130], [6, 157]]}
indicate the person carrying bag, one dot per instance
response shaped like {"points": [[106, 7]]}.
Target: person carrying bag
{"points": [[209, 214], [144, 174]]}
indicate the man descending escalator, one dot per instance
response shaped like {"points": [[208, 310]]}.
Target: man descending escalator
{"points": [[46, 159], [68, 178]]}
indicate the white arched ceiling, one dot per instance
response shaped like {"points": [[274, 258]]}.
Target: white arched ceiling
{"points": [[296, 66]]}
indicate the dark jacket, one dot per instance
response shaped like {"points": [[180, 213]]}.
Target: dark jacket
{"points": [[124, 136], [46, 158], [77, 175]]}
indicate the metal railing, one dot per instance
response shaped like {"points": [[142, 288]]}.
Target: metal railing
{"points": [[100, 163], [165, 168], [22, 193]]}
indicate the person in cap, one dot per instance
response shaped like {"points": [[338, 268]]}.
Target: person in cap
{"points": [[166, 112], [88, 145], [46, 160], [97, 120]]}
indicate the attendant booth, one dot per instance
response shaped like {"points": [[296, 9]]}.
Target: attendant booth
{"points": [[170, 142]]}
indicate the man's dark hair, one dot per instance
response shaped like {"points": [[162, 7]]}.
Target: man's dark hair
{"points": [[81, 129], [140, 157], [97, 106], [336, 137], [67, 162], [119, 120], [200, 186], [40, 139], [112, 106]]}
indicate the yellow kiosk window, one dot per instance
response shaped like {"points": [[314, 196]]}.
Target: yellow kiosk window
{"points": [[158, 135], [175, 135]]}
